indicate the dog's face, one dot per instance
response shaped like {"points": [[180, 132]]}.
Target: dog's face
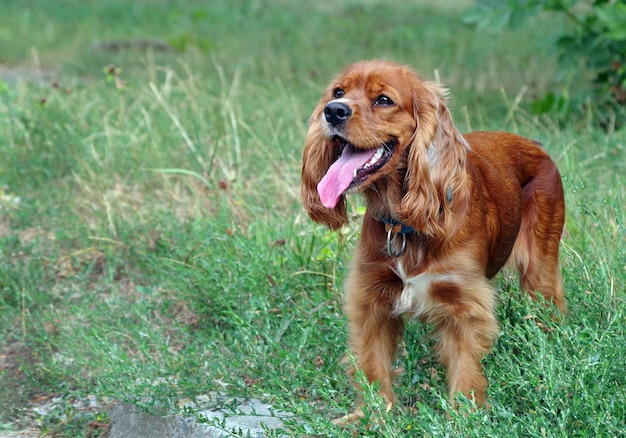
{"points": [[379, 126], [368, 118]]}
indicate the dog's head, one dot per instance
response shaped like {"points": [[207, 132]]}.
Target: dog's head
{"points": [[378, 126]]}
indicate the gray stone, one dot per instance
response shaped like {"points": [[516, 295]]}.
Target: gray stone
{"points": [[224, 417]]}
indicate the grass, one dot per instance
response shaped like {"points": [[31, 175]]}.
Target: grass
{"points": [[154, 248]]}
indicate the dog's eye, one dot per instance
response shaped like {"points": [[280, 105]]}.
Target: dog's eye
{"points": [[383, 100], [338, 93]]}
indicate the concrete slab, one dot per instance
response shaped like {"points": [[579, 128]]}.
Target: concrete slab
{"points": [[225, 416]]}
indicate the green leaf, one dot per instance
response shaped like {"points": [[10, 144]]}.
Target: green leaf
{"points": [[542, 106], [613, 17]]}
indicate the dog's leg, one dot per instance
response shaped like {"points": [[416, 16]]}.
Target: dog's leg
{"points": [[465, 329], [374, 330], [536, 250]]}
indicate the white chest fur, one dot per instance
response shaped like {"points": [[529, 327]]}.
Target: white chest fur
{"points": [[416, 299]]}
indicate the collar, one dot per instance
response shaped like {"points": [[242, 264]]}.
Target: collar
{"points": [[395, 227]]}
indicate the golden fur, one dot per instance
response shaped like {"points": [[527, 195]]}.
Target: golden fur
{"points": [[472, 202]]}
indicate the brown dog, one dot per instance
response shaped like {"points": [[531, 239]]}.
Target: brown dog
{"points": [[445, 211]]}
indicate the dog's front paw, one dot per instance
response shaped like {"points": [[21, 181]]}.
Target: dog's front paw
{"points": [[349, 418], [356, 416]]}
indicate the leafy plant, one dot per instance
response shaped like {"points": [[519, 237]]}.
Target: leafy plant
{"points": [[596, 37]]}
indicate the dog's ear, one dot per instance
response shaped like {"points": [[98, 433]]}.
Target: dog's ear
{"points": [[436, 164], [318, 156]]}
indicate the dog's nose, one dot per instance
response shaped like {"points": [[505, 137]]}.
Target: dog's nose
{"points": [[337, 112]]}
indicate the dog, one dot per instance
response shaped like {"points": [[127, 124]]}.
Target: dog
{"points": [[445, 212]]}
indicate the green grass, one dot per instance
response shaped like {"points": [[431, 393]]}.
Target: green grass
{"points": [[158, 250]]}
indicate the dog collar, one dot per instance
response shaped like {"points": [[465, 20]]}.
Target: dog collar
{"points": [[393, 228]]}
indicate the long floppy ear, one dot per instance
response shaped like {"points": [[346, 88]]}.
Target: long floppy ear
{"points": [[436, 179], [318, 155]]}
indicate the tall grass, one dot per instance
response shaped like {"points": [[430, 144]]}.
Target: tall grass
{"points": [[158, 250]]}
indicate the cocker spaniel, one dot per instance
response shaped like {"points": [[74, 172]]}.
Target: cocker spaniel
{"points": [[445, 212]]}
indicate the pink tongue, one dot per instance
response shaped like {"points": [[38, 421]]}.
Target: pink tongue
{"points": [[340, 174]]}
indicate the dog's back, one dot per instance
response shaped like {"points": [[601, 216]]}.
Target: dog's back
{"points": [[535, 252]]}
